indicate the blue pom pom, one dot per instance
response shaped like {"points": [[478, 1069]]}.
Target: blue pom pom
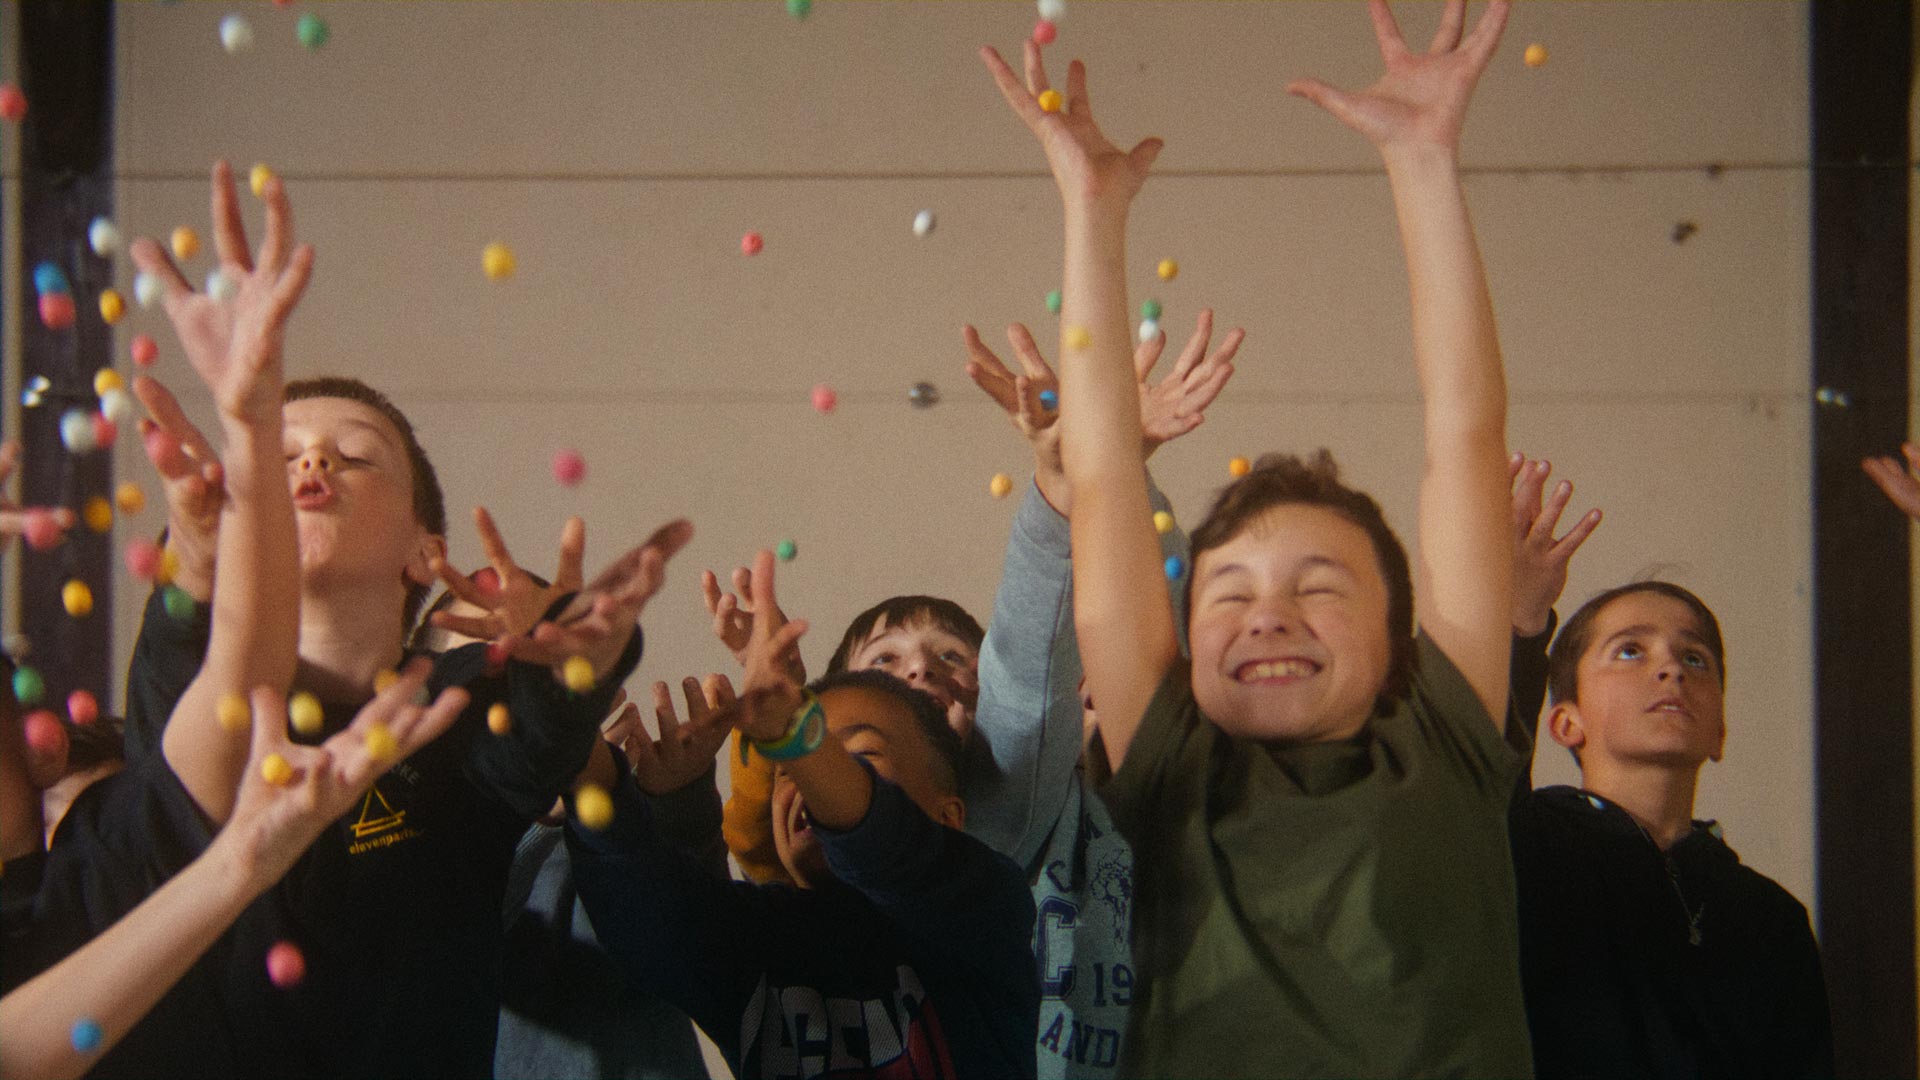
{"points": [[1049, 400], [49, 278], [86, 1035], [1175, 567]]}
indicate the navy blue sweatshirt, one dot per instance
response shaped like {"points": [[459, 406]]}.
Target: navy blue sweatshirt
{"points": [[914, 963]]}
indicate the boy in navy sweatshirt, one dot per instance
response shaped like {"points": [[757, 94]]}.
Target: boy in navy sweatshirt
{"points": [[902, 948]]}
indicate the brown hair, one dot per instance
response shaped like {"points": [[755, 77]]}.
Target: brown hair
{"points": [[429, 504], [1563, 660], [901, 611], [1286, 479]]}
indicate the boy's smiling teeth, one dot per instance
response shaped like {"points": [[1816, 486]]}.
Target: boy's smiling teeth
{"points": [[1290, 668]]}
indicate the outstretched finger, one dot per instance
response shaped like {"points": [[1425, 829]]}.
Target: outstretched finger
{"points": [[493, 545], [987, 372], [1452, 22], [1023, 104], [1196, 348], [570, 574], [167, 413], [1147, 354], [1337, 102], [278, 242], [1036, 68], [663, 713], [1516, 461], [293, 280], [763, 594], [1386, 30], [1547, 518], [1077, 104], [1570, 543], [152, 259], [1527, 494], [1486, 34], [1034, 364], [229, 232], [461, 586], [1196, 396], [719, 692], [1145, 153]]}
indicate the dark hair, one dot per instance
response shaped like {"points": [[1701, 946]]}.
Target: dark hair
{"points": [[97, 743], [1286, 480], [1563, 660], [429, 504], [903, 610], [927, 715]]}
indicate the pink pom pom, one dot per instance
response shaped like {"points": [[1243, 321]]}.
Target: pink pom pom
{"points": [[42, 529], [569, 468], [1044, 32], [824, 399], [496, 657], [45, 734], [56, 310], [13, 103], [751, 244], [104, 430], [143, 558], [145, 351], [286, 965], [82, 708], [487, 579]]}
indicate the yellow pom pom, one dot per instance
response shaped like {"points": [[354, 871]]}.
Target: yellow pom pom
{"points": [[578, 674], [98, 514], [384, 680], [113, 307], [1535, 55], [1162, 521], [276, 770], [496, 260], [1000, 485], [78, 599], [106, 378], [1049, 101], [257, 179], [232, 713], [1169, 269], [130, 498], [305, 712], [1076, 337], [499, 721], [185, 243], [381, 745], [169, 567], [1239, 467], [593, 807]]}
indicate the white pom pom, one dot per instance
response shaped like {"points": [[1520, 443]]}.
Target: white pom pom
{"points": [[1149, 329], [235, 34], [103, 237]]}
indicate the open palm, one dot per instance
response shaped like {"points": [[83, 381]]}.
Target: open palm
{"points": [[1422, 98]]}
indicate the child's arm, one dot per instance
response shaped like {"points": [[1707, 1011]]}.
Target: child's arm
{"points": [[1414, 114], [1900, 483], [1122, 614], [256, 602], [117, 977], [747, 820], [1029, 717], [1539, 575]]}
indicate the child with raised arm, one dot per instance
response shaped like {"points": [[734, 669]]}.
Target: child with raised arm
{"points": [[900, 949], [1316, 801], [398, 908]]}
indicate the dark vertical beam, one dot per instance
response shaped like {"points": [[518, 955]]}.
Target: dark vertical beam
{"points": [[66, 178], [1861, 82]]}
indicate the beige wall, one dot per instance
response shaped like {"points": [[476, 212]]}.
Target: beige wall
{"points": [[622, 148]]}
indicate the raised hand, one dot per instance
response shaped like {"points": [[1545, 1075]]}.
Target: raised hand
{"points": [[733, 615], [683, 752], [1422, 98], [1086, 165], [768, 692], [1901, 483], [14, 517], [235, 345], [273, 823], [191, 478], [1169, 408], [513, 601], [1539, 559], [599, 621]]}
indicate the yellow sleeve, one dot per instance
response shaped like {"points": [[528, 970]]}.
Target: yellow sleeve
{"points": [[748, 819]]}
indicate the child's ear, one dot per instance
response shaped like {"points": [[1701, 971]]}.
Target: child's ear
{"points": [[952, 813], [427, 547], [1720, 744], [1565, 725]]}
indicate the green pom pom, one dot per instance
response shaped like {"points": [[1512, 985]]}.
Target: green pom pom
{"points": [[1150, 310], [799, 8], [28, 686], [312, 30], [786, 550], [1053, 301], [178, 603]]}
